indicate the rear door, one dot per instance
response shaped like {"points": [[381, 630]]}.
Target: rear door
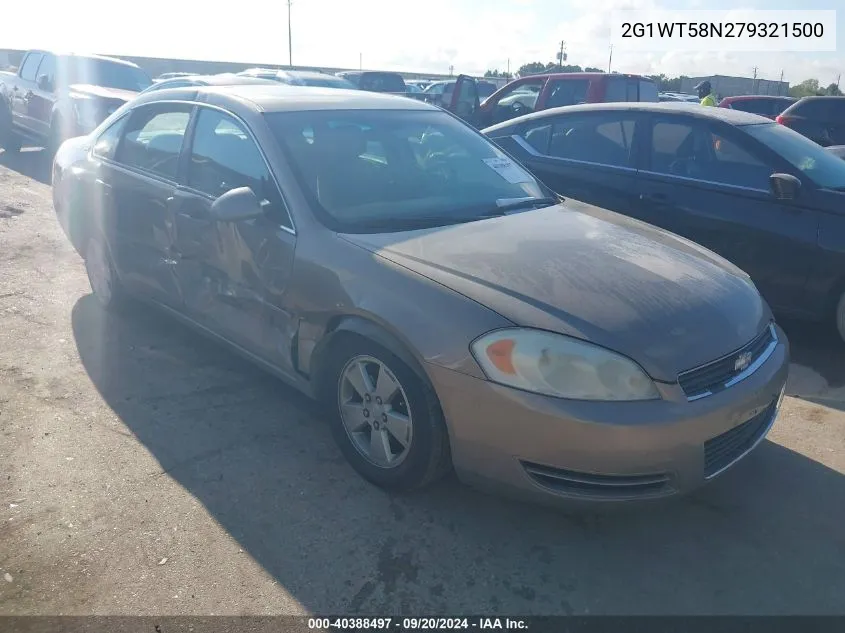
{"points": [[710, 183], [586, 156], [232, 275], [137, 190]]}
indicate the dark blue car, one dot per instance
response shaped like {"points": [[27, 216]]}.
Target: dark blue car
{"points": [[759, 194]]}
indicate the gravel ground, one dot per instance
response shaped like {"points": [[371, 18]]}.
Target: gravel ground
{"points": [[146, 471]]}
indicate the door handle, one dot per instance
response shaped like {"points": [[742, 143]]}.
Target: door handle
{"points": [[28, 95]]}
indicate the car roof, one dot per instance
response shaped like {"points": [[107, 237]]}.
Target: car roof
{"points": [[752, 97], [223, 79], [583, 76], [279, 97], [732, 117], [104, 58]]}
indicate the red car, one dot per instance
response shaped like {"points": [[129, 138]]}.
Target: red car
{"points": [[540, 92], [768, 106]]}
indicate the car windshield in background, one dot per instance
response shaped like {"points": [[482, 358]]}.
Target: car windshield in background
{"points": [[382, 82], [763, 107], [820, 166], [100, 72], [399, 170], [327, 82]]}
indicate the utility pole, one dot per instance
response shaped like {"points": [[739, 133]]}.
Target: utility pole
{"points": [[360, 61], [837, 80], [754, 81], [780, 83], [290, 40], [610, 59], [451, 69], [561, 56], [509, 69]]}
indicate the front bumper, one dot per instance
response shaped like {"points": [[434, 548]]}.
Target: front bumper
{"points": [[553, 450]]}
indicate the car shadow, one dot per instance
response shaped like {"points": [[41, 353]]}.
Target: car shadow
{"points": [[765, 538], [32, 163]]}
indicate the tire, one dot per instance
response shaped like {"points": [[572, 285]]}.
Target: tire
{"points": [[56, 137], [104, 282], [382, 459], [9, 141]]}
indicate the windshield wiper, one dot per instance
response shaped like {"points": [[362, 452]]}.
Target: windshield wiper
{"points": [[527, 203]]}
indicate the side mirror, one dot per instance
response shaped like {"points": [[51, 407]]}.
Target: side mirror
{"points": [[784, 186], [236, 205], [43, 82]]}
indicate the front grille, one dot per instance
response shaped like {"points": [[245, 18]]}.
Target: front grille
{"points": [[722, 450], [715, 376], [574, 483]]}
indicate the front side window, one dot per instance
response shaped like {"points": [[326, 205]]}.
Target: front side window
{"points": [[822, 167], [648, 91], [604, 139], [696, 150], [48, 69], [30, 66], [106, 144], [396, 170], [153, 138]]}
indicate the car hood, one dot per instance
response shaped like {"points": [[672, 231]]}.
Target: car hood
{"points": [[583, 271], [102, 92]]}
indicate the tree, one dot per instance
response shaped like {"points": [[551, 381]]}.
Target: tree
{"points": [[531, 69], [833, 91], [497, 73], [807, 88], [590, 69]]}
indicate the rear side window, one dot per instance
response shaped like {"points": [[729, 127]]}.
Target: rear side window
{"points": [[811, 108], [30, 66], [604, 139], [153, 138], [564, 92], [648, 91]]}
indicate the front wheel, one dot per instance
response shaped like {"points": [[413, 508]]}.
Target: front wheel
{"points": [[385, 418]]}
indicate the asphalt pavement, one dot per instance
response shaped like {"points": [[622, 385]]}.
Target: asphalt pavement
{"points": [[144, 470]]}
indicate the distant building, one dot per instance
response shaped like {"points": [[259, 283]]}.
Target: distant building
{"points": [[725, 86]]}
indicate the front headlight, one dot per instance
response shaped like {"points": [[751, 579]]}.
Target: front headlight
{"points": [[557, 365]]}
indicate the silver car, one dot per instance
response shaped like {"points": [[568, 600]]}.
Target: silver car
{"points": [[444, 306]]}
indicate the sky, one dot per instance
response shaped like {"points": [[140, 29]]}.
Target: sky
{"points": [[411, 35]]}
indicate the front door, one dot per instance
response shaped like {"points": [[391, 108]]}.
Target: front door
{"points": [[464, 99], [136, 190], [232, 276], [40, 105], [588, 157], [705, 181], [23, 91]]}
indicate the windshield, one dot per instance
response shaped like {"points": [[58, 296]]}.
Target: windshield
{"points": [[391, 170], [382, 82], [327, 82], [101, 72], [821, 167]]}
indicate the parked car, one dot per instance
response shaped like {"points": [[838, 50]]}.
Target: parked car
{"points": [[757, 193], [299, 78], [53, 96], [768, 106], [677, 96], [821, 119], [223, 79], [173, 75], [540, 92], [325, 235], [440, 92], [376, 81], [837, 150]]}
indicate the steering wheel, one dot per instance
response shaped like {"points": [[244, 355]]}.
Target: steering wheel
{"points": [[519, 108], [684, 167]]}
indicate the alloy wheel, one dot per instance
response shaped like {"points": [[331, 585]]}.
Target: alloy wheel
{"points": [[374, 411]]}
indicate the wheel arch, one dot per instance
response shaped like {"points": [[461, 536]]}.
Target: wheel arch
{"points": [[341, 326]]}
